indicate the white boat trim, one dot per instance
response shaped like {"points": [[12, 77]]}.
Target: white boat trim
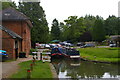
{"points": [[74, 56]]}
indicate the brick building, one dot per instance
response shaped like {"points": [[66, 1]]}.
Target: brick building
{"points": [[15, 29]]}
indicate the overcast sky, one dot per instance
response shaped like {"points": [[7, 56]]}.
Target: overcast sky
{"points": [[62, 9]]}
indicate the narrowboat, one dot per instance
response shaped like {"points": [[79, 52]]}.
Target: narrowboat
{"points": [[58, 52], [73, 53], [65, 52]]}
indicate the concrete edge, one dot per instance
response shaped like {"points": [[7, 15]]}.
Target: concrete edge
{"points": [[54, 73]]}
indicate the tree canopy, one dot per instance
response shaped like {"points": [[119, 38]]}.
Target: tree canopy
{"points": [[8, 4], [55, 30], [88, 28], [40, 30], [98, 32], [111, 26]]}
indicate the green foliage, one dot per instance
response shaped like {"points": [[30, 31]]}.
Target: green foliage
{"points": [[89, 21], [98, 32], [33, 50], [89, 28], [40, 30], [40, 70], [55, 30], [73, 29], [8, 4], [112, 25]]}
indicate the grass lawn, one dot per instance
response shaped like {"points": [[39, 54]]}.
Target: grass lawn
{"points": [[100, 54], [40, 70]]}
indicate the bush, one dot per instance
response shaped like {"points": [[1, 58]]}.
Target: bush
{"points": [[22, 55], [33, 50], [47, 51]]}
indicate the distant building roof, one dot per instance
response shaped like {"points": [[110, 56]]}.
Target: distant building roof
{"points": [[114, 38], [11, 33], [12, 14]]}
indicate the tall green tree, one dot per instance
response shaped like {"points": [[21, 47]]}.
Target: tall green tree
{"points": [[118, 26], [40, 30], [55, 30], [111, 25], [74, 28], [88, 22], [98, 31]]}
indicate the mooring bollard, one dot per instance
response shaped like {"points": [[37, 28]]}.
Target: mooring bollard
{"points": [[41, 56], [33, 58], [36, 56], [33, 62], [28, 73], [31, 67]]}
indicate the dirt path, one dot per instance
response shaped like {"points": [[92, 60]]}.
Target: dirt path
{"points": [[8, 68]]}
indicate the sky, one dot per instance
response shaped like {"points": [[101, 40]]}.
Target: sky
{"points": [[62, 9]]}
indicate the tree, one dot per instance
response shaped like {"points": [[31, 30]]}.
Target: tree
{"points": [[98, 31], [74, 28], [55, 30], [118, 27], [8, 4], [40, 30], [88, 22], [85, 37], [111, 25]]}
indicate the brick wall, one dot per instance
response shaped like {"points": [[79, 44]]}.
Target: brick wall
{"points": [[22, 29], [8, 45], [15, 26], [26, 43]]}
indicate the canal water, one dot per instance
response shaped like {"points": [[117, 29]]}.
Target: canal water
{"points": [[85, 69]]}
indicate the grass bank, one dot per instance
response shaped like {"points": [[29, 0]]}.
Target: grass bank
{"points": [[100, 54], [40, 70]]}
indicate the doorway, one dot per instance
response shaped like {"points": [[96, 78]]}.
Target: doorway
{"points": [[16, 49]]}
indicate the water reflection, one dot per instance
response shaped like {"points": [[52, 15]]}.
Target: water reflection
{"points": [[84, 69]]}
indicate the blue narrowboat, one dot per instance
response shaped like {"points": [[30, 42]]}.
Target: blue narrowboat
{"points": [[65, 52]]}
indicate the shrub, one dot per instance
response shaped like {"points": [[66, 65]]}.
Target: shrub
{"points": [[33, 50], [22, 55]]}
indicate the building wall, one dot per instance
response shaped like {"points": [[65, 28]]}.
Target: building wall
{"points": [[15, 26], [22, 29], [26, 43], [8, 44], [0, 39]]}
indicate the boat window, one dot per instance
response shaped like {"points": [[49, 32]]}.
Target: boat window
{"points": [[55, 50]]}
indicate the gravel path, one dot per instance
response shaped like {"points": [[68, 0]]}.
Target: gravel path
{"points": [[8, 68]]}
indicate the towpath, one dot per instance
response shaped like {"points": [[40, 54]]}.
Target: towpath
{"points": [[8, 68]]}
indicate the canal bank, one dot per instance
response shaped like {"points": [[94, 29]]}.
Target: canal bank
{"points": [[40, 70], [54, 73], [102, 55]]}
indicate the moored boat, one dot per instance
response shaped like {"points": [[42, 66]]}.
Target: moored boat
{"points": [[65, 52], [73, 53], [58, 52]]}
